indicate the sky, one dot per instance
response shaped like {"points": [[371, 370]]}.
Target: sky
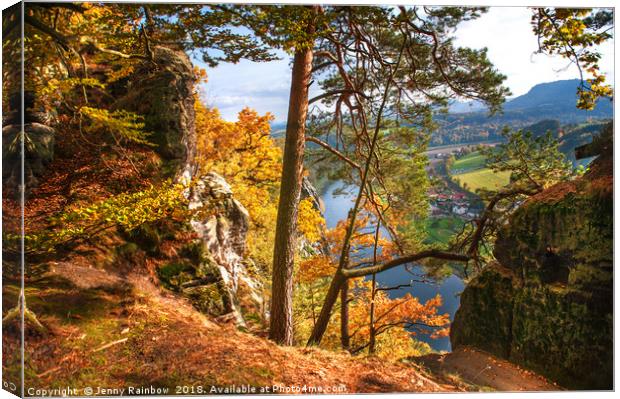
{"points": [[505, 31]]}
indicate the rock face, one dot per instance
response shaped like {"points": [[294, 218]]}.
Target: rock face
{"points": [[308, 248], [217, 277], [162, 92], [224, 236], [309, 191], [213, 272], [548, 302]]}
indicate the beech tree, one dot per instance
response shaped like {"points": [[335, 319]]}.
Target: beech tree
{"points": [[63, 39], [62, 42]]}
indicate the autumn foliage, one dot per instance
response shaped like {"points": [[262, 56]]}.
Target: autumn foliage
{"points": [[249, 158], [396, 320]]}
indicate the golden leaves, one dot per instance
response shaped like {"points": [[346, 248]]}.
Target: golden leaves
{"points": [[122, 125], [574, 34], [246, 155], [310, 222]]}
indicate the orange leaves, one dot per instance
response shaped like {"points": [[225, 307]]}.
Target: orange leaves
{"points": [[244, 153], [201, 74], [362, 241], [396, 320], [315, 268], [409, 310]]}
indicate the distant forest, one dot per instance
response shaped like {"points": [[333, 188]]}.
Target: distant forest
{"points": [[531, 109]]}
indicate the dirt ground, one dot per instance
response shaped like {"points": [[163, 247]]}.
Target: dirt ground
{"points": [[122, 330], [118, 331], [485, 370]]}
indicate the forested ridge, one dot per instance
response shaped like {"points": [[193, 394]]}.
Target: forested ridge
{"points": [[166, 246], [553, 100]]}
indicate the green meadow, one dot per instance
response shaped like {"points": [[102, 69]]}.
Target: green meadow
{"points": [[475, 175]]}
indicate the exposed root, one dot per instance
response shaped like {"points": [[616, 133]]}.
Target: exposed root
{"points": [[29, 316]]}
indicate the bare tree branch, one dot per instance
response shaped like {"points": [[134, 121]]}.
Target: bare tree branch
{"points": [[334, 151], [433, 253]]}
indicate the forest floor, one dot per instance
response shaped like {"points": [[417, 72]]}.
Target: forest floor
{"points": [[121, 330]]}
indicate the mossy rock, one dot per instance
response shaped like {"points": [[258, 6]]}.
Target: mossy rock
{"points": [[484, 318], [174, 274], [553, 311], [194, 251], [164, 96], [562, 333], [548, 239], [207, 268], [147, 236], [210, 299], [197, 276]]}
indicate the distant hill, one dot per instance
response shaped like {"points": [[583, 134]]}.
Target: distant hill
{"points": [[569, 136], [555, 100], [547, 106], [458, 107], [559, 96], [278, 129]]}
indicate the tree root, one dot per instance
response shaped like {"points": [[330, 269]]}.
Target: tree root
{"points": [[29, 317]]}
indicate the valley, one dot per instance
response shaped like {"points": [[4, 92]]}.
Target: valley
{"points": [[286, 199]]}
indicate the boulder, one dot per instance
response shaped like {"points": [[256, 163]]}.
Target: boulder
{"points": [[162, 91], [38, 151], [39, 140]]}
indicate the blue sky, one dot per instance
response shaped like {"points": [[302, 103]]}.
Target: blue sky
{"points": [[505, 31]]}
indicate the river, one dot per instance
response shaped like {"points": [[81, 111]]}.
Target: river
{"points": [[337, 205]]}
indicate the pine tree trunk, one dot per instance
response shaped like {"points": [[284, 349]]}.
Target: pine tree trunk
{"points": [[330, 299], [373, 334], [344, 316], [281, 317]]}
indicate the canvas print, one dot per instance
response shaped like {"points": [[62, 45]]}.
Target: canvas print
{"points": [[208, 199]]}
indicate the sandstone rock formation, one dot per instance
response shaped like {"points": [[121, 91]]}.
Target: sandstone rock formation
{"points": [[216, 278], [162, 92], [547, 303], [224, 237]]}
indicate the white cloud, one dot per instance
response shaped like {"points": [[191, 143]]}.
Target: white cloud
{"points": [[263, 86], [507, 33]]}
